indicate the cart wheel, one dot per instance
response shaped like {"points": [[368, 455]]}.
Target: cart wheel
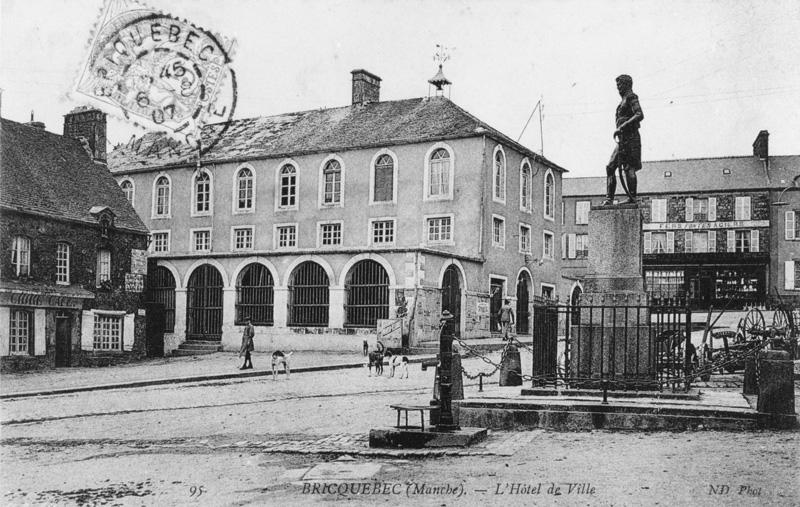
{"points": [[780, 321], [753, 322]]}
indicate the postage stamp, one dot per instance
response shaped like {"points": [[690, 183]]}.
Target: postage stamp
{"points": [[159, 71]]}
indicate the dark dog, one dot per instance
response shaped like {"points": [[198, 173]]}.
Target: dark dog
{"points": [[376, 360]]}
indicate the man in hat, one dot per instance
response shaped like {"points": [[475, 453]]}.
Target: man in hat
{"points": [[628, 154], [247, 344], [506, 318]]}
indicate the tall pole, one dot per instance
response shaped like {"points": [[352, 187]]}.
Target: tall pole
{"points": [[446, 422]]}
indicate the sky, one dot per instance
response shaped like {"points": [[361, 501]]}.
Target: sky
{"points": [[709, 74]]}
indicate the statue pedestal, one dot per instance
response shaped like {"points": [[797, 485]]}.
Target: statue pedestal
{"points": [[613, 341]]}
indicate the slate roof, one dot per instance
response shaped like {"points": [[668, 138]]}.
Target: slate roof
{"points": [[52, 175], [374, 124], [695, 175]]}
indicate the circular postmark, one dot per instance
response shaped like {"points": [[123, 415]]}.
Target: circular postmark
{"points": [[162, 73]]}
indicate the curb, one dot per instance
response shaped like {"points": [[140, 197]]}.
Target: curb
{"points": [[183, 380]]}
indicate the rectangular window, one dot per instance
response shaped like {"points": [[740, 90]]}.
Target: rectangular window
{"points": [[330, 234], [382, 232], [742, 241], [161, 242], [288, 185], [287, 236], [242, 238], [581, 246], [658, 210], [62, 264], [582, 212], [498, 232], [524, 238], [103, 266], [440, 229], [742, 211], [659, 242], [107, 332], [791, 225], [547, 245], [665, 284], [201, 240], [21, 255], [19, 331]]}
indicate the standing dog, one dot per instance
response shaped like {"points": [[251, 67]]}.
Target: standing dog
{"points": [[376, 360], [279, 358], [397, 362]]}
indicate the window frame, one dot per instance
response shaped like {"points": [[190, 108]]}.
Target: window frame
{"points": [[66, 281], [132, 191], [529, 250], [373, 167], [320, 226], [545, 234], [153, 214], [583, 253], [115, 315], [502, 242], [210, 210], [321, 204], [425, 229], [744, 199], [551, 215], [371, 231], [235, 209], [426, 195], [653, 211], [98, 277], [153, 241], [527, 208], [279, 185], [193, 243], [252, 229], [13, 339], [791, 233], [551, 286], [276, 237], [17, 242], [503, 176], [588, 208]]}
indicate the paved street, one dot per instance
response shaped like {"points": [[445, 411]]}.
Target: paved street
{"points": [[303, 441]]}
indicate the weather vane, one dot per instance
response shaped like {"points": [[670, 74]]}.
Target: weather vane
{"points": [[441, 55]]}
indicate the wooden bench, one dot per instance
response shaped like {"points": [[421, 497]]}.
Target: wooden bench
{"points": [[406, 409]]}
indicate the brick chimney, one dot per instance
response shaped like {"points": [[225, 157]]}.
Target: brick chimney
{"points": [[366, 87], [761, 145], [89, 125]]}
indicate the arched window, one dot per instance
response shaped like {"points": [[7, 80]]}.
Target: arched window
{"points": [[161, 285], [549, 195], [499, 194], [525, 189], [254, 295], [367, 292], [439, 175], [202, 193], [383, 188], [308, 295], [288, 187], [127, 187], [161, 204], [332, 183], [204, 304], [244, 189]]}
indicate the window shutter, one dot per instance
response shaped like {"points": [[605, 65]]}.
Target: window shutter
{"points": [[731, 241], [39, 332], [712, 209], [788, 275], [571, 246], [5, 319], [689, 209], [687, 242], [384, 177], [127, 331], [746, 208], [670, 242], [648, 236], [754, 240], [563, 246], [790, 225], [712, 241], [87, 330]]}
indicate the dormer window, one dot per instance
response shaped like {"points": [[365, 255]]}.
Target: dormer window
{"points": [[726, 171], [668, 174], [105, 218]]}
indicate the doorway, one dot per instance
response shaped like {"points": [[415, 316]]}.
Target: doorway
{"points": [[63, 338]]}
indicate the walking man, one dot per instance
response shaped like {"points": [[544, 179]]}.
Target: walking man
{"points": [[506, 317], [627, 156], [247, 344]]}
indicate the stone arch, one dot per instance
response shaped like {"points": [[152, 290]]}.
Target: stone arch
{"points": [[258, 260], [370, 256], [213, 262]]}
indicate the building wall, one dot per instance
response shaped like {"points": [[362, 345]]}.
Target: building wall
{"points": [[84, 240], [784, 247]]}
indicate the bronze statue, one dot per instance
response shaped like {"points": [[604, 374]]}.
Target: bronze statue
{"points": [[627, 156]]}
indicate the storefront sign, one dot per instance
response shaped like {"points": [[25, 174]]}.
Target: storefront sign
{"points": [[39, 300], [737, 224], [138, 262], [134, 282]]}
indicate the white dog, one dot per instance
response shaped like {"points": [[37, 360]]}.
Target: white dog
{"points": [[279, 358], [398, 362]]}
